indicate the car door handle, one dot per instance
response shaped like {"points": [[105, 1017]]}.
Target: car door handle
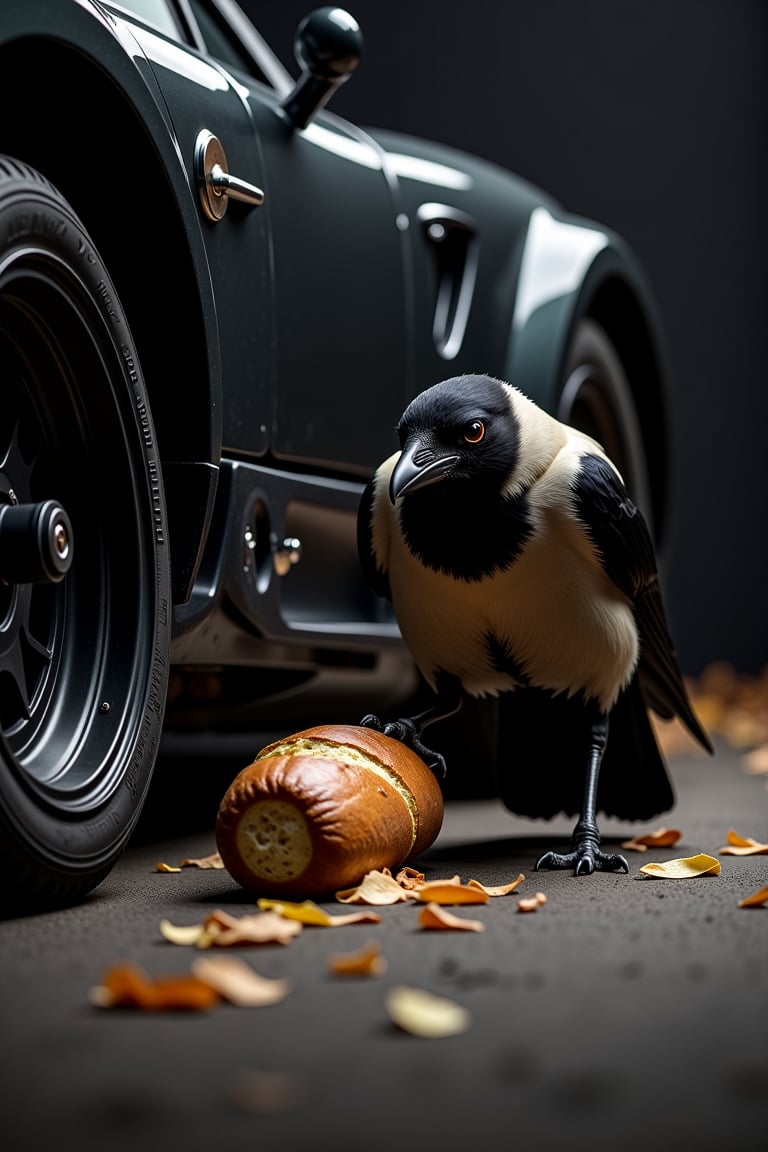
{"points": [[215, 183]]}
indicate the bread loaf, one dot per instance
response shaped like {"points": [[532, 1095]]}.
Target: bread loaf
{"points": [[317, 810]]}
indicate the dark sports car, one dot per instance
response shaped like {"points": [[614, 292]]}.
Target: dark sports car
{"points": [[216, 298]]}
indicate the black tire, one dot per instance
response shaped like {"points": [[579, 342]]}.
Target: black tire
{"points": [[597, 398], [84, 659]]}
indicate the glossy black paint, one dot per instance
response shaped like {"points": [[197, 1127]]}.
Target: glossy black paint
{"points": [[279, 345]]}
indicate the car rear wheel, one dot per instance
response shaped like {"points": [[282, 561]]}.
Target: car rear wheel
{"points": [[84, 567], [597, 398]]}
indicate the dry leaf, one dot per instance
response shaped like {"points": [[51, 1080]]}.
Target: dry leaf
{"points": [[185, 934], [684, 868], [532, 903], [497, 889], [128, 986], [375, 888], [161, 866], [756, 900], [236, 981], [451, 892], [742, 846], [661, 838], [307, 912], [368, 962], [212, 861], [409, 877], [756, 761], [422, 1014], [433, 916], [223, 931]]}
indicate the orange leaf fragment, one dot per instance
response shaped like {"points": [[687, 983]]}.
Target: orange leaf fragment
{"points": [[212, 861], [307, 912], [377, 887], [742, 846], [756, 900], [367, 962], [161, 866], [451, 892], [661, 838], [236, 981], [684, 868], [128, 986], [498, 889], [432, 916]]}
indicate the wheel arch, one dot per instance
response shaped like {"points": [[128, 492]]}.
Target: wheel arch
{"points": [[573, 270], [128, 186]]}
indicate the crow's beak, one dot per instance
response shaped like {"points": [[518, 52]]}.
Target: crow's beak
{"points": [[419, 465]]}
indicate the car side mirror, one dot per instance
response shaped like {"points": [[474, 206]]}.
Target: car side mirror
{"points": [[328, 45]]}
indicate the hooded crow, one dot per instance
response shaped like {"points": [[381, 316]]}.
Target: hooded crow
{"points": [[517, 563]]}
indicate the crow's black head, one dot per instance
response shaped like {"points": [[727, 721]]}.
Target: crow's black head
{"points": [[463, 429]]}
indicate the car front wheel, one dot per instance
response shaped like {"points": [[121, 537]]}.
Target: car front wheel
{"points": [[84, 566]]}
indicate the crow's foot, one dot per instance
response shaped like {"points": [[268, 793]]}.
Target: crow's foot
{"points": [[585, 858], [407, 733]]}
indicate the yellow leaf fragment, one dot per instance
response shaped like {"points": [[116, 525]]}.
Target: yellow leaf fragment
{"points": [[375, 888], [367, 962], [307, 912], [432, 916], [161, 866], [684, 868], [185, 934], [236, 981], [423, 1014], [212, 861], [497, 889], [661, 838], [756, 900], [742, 846], [451, 892]]}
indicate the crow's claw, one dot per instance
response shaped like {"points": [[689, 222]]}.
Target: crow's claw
{"points": [[407, 733], [585, 859]]}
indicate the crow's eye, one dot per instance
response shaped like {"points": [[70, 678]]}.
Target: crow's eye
{"points": [[473, 432]]}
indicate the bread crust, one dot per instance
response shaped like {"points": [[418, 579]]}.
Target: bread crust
{"points": [[318, 809]]}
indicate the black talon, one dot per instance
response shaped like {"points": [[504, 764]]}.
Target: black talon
{"points": [[407, 732]]}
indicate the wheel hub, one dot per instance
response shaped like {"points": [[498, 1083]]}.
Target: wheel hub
{"points": [[36, 543]]}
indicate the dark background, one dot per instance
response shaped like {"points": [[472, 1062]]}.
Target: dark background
{"points": [[649, 117]]}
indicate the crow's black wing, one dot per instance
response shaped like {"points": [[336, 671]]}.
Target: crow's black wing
{"points": [[376, 577], [620, 535]]}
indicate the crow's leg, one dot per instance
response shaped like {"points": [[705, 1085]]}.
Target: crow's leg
{"points": [[409, 729], [585, 855]]}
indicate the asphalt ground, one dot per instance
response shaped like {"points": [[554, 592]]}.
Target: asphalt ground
{"points": [[626, 1013]]}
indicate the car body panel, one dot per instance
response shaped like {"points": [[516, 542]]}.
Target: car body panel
{"points": [[281, 343]]}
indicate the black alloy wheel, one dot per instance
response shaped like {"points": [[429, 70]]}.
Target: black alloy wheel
{"points": [[84, 565]]}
